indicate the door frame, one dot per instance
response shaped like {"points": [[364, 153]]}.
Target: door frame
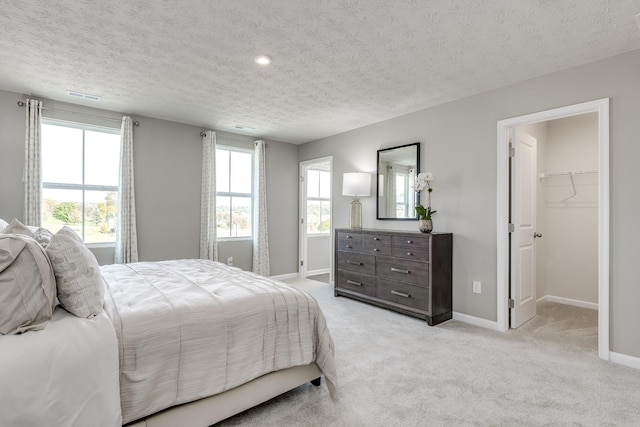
{"points": [[302, 209], [600, 106]]}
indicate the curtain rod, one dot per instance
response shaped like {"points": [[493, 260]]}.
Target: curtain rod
{"points": [[93, 116], [203, 133]]}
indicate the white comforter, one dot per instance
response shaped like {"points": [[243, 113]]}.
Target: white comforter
{"points": [[188, 329], [63, 375]]}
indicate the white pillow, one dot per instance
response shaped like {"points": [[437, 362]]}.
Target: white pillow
{"points": [[27, 285], [69, 232], [78, 277], [41, 235], [3, 224]]}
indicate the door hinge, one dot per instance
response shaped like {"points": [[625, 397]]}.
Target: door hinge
{"points": [[301, 178], [512, 151], [512, 228], [301, 220], [301, 263], [512, 303]]}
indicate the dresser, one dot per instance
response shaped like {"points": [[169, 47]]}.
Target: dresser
{"points": [[399, 270]]}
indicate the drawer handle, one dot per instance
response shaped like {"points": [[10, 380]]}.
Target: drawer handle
{"points": [[349, 246], [409, 254], [375, 238], [401, 294], [349, 237], [356, 263], [351, 282], [376, 250], [409, 241], [398, 270]]}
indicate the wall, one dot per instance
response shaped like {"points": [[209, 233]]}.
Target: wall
{"points": [[571, 235], [459, 147], [167, 158], [318, 252]]}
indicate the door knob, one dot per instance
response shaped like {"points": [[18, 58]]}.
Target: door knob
{"points": [[536, 235]]}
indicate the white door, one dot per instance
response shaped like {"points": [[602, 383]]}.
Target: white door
{"points": [[315, 217], [523, 218]]}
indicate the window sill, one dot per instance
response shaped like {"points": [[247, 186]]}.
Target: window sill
{"points": [[100, 245], [234, 239]]}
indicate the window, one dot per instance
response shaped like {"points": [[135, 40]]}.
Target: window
{"points": [[318, 201], [234, 192], [80, 168]]}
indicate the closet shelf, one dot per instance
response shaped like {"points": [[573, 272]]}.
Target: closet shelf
{"points": [[568, 180]]}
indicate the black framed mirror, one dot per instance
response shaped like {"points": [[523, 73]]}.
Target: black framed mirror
{"points": [[396, 197]]}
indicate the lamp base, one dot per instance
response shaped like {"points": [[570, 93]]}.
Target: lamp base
{"points": [[355, 216]]}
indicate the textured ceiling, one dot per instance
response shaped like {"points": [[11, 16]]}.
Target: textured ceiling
{"points": [[337, 64]]}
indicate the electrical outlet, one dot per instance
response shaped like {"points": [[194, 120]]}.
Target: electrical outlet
{"points": [[477, 287], [230, 260]]}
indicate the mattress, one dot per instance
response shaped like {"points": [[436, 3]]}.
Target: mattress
{"points": [[63, 375], [189, 329]]}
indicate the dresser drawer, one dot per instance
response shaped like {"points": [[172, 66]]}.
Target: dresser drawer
{"points": [[403, 270], [403, 293], [411, 248], [360, 263], [376, 244], [356, 282], [349, 242]]}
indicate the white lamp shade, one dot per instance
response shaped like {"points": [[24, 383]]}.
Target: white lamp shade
{"points": [[356, 184]]}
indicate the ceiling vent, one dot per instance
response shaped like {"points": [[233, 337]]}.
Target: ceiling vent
{"points": [[81, 95]]}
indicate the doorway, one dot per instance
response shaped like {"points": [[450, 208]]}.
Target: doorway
{"points": [[316, 182], [506, 131]]}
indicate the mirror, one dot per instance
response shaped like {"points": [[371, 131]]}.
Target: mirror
{"points": [[397, 170]]}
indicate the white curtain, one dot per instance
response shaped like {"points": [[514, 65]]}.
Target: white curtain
{"points": [[392, 210], [126, 234], [33, 164], [411, 197], [260, 234], [208, 237]]}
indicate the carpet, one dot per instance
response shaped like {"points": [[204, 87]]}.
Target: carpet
{"points": [[395, 370]]}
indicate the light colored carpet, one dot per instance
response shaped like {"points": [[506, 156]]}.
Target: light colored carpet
{"points": [[325, 278], [394, 370]]}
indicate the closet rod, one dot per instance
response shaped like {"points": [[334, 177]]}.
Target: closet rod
{"points": [[578, 172], [75, 113]]}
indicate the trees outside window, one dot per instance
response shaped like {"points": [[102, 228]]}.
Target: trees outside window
{"points": [[234, 192], [80, 168]]}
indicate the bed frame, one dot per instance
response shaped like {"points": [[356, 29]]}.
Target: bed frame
{"points": [[210, 410]]}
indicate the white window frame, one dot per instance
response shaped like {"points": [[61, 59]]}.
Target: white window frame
{"points": [[83, 187], [319, 199], [235, 194], [405, 203]]}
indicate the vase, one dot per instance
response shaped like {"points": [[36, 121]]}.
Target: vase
{"points": [[425, 225]]}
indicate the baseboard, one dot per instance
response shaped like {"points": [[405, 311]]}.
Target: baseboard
{"points": [[286, 276], [569, 301], [623, 359], [320, 271], [477, 321]]}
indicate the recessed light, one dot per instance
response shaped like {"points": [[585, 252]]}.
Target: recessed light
{"points": [[263, 60]]}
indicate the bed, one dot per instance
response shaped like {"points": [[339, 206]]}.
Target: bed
{"points": [[182, 342]]}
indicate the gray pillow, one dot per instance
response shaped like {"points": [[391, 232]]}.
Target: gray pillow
{"points": [[27, 285], [78, 277], [39, 234]]}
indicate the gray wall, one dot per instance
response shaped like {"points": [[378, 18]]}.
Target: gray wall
{"points": [[167, 158], [459, 146]]}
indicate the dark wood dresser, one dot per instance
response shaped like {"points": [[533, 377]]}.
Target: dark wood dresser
{"points": [[400, 270]]}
